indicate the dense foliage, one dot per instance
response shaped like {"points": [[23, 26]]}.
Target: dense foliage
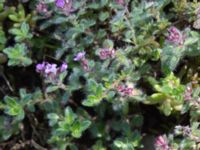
{"points": [[100, 74]]}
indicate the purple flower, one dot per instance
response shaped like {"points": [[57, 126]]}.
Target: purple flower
{"points": [[40, 67], [161, 143], [79, 56], [51, 69], [84, 62], [65, 5], [51, 72], [175, 36], [60, 3], [63, 67]]}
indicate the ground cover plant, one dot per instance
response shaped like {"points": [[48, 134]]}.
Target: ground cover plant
{"points": [[100, 74]]}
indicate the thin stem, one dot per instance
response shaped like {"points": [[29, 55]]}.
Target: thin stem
{"points": [[131, 26]]}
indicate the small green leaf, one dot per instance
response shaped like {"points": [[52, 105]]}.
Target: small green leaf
{"points": [[76, 130], [2, 39], [21, 33], [92, 85], [85, 124], [17, 55], [103, 16], [91, 100], [53, 118], [170, 58], [166, 108], [119, 144], [70, 116], [155, 98], [93, 5], [190, 41], [62, 76], [99, 91], [13, 18], [51, 88], [104, 3], [108, 43], [13, 108]]}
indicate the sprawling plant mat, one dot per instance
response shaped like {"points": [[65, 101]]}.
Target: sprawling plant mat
{"points": [[99, 75]]}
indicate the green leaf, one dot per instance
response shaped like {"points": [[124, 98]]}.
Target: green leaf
{"points": [[24, 97], [110, 95], [190, 41], [155, 98], [103, 16], [22, 93], [119, 144], [108, 43], [78, 127], [166, 108], [91, 100], [2, 39], [21, 33], [93, 5], [99, 91], [170, 58], [13, 18], [193, 50], [24, 28], [76, 130], [62, 76], [92, 85], [85, 124], [53, 118], [74, 79], [51, 88], [17, 55], [70, 116], [73, 147], [63, 129], [13, 108], [86, 23], [104, 3]]}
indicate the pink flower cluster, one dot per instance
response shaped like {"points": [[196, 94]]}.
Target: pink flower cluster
{"points": [[120, 2], [41, 7], [50, 70], [161, 143], [106, 53], [188, 93], [175, 36], [125, 90]]}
